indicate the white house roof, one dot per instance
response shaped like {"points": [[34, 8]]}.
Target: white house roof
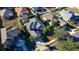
{"points": [[48, 16], [65, 15]]}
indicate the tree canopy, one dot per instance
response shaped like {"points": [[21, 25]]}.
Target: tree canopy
{"points": [[68, 45], [60, 33]]}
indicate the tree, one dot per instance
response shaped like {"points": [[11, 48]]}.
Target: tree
{"points": [[60, 33], [53, 23], [68, 45], [46, 29], [30, 43]]}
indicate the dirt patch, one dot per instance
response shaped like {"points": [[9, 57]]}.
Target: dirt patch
{"points": [[11, 23]]}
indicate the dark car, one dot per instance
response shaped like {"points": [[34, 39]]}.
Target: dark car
{"points": [[9, 14]]}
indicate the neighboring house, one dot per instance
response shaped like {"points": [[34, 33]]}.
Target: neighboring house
{"points": [[73, 22], [69, 16], [34, 26], [48, 17], [66, 15]]}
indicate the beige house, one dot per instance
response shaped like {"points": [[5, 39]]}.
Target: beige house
{"points": [[48, 17]]}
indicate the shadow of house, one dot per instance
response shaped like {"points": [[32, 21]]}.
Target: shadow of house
{"points": [[75, 38], [75, 19], [16, 44], [50, 33], [35, 27], [69, 16]]}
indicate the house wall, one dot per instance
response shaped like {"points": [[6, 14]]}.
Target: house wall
{"points": [[3, 35]]}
